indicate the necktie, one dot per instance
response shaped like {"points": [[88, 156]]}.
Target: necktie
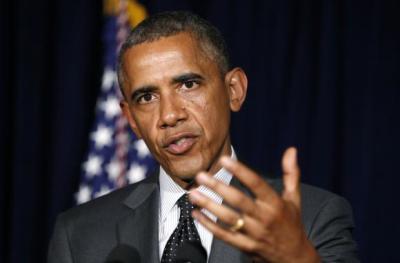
{"points": [[184, 232]]}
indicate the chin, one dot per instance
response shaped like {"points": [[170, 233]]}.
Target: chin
{"points": [[185, 178], [186, 170], [185, 174]]}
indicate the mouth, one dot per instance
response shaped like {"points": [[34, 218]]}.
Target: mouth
{"points": [[180, 143]]}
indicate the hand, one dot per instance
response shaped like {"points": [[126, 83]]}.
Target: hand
{"points": [[272, 229]]}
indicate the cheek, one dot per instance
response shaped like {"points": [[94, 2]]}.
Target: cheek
{"points": [[211, 111], [201, 107], [147, 128]]}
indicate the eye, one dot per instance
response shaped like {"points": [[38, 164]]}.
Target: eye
{"points": [[145, 98], [190, 84]]}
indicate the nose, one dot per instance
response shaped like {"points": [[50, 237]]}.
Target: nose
{"points": [[172, 111]]}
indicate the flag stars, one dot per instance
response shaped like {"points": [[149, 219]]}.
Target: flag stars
{"points": [[136, 173], [141, 148], [114, 169], [109, 78], [110, 107], [93, 165], [83, 194], [102, 136]]}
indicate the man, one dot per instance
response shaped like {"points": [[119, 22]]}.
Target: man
{"points": [[178, 94]]}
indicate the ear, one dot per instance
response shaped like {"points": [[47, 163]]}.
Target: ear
{"points": [[128, 115], [236, 82]]}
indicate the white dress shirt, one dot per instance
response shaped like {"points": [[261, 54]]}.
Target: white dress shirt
{"points": [[169, 211]]}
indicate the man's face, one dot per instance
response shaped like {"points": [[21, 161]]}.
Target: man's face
{"points": [[178, 102]]}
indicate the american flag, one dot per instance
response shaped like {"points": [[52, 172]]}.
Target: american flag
{"points": [[115, 157]]}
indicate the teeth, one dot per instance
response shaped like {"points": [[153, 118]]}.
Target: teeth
{"points": [[180, 141]]}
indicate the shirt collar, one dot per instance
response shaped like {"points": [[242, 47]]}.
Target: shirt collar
{"points": [[170, 191]]}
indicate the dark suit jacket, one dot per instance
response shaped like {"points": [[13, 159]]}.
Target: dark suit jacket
{"points": [[87, 233]]}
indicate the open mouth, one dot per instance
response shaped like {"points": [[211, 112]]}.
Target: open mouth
{"points": [[180, 144]]}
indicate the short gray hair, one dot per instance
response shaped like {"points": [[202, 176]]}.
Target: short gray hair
{"points": [[171, 23]]}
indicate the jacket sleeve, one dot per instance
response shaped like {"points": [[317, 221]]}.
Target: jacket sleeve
{"points": [[59, 248], [331, 232]]}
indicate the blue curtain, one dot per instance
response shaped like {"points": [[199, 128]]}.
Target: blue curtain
{"points": [[323, 75]]}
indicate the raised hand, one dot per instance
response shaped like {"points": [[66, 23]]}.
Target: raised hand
{"points": [[268, 227]]}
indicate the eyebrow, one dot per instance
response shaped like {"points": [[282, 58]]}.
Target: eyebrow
{"points": [[178, 79], [186, 77]]}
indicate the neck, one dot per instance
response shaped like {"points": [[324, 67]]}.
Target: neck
{"points": [[188, 184]]}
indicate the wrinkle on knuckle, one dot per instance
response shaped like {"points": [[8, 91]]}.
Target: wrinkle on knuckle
{"points": [[260, 236], [251, 247], [232, 219], [240, 199], [256, 183]]}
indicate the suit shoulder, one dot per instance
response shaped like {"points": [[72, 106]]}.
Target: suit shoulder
{"points": [[318, 196], [104, 207], [316, 201], [310, 194]]}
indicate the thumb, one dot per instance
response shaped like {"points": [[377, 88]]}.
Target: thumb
{"points": [[291, 177]]}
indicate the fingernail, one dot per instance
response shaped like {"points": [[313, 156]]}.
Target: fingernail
{"points": [[202, 178], [195, 214], [194, 196], [293, 152], [226, 161]]}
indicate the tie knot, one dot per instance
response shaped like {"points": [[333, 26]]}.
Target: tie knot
{"points": [[184, 204]]}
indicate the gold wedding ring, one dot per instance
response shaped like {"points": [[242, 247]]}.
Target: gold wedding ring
{"points": [[238, 225]]}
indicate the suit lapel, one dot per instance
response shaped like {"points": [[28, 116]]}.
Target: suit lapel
{"points": [[139, 227]]}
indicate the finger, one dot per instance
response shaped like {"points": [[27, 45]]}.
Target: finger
{"points": [[250, 179], [291, 177], [231, 195], [236, 239], [223, 213], [227, 215]]}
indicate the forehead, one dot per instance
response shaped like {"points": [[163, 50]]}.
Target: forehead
{"points": [[165, 57]]}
